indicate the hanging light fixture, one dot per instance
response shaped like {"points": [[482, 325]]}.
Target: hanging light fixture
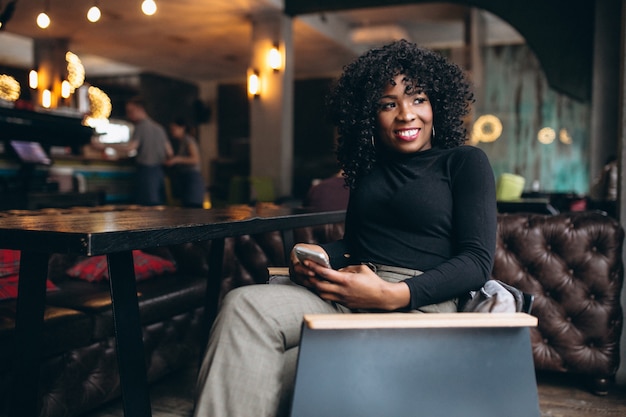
{"points": [[148, 7], [43, 20], [94, 14]]}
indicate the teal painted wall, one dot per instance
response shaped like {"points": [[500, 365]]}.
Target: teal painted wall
{"points": [[517, 92]]}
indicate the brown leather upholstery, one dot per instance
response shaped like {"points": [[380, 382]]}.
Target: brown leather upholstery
{"points": [[572, 264]]}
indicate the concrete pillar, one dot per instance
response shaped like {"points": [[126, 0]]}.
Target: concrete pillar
{"points": [[271, 113], [207, 132], [51, 66], [604, 96]]}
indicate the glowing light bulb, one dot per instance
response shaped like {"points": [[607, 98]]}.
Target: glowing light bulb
{"points": [[275, 59], [46, 99], [254, 84], [43, 21], [66, 89], [33, 79], [148, 7], [93, 15]]}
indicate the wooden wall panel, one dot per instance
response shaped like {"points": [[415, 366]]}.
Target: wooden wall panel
{"points": [[517, 92]]}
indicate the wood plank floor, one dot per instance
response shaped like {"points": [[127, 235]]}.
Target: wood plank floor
{"points": [[559, 396]]}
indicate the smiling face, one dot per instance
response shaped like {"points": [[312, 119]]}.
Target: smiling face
{"points": [[405, 120]]}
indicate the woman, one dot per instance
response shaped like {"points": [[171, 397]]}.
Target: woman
{"points": [[188, 184], [420, 228]]}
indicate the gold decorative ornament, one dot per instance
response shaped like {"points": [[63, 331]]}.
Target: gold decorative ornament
{"points": [[487, 128], [546, 135], [9, 88]]}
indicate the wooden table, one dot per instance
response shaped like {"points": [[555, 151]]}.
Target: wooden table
{"points": [[115, 234]]}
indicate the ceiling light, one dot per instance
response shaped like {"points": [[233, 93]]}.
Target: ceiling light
{"points": [[148, 7], [43, 20], [93, 14]]}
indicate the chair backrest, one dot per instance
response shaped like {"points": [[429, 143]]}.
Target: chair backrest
{"points": [[402, 364]]}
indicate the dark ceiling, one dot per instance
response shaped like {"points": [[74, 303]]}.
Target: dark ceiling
{"points": [[560, 32]]}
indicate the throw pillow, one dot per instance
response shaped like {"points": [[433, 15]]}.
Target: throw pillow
{"points": [[9, 262], [8, 287], [95, 269], [9, 270]]}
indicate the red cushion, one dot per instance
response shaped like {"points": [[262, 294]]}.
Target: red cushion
{"points": [[9, 270], [95, 268], [9, 262], [8, 287]]}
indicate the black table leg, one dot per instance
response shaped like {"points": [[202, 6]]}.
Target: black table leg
{"points": [[28, 330], [130, 349], [288, 242], [213, 288]]}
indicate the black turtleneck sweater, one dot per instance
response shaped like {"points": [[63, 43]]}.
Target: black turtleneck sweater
{"points": [[434, 211]]}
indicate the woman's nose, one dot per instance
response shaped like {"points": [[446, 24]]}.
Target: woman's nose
{"points": [[406, 114]]}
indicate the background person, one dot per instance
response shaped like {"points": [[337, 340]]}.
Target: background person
{"points": [[188, 184], [153, 148], [420, 228]]}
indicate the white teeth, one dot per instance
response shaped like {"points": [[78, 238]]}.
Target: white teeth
{"points": [[408, 133]]}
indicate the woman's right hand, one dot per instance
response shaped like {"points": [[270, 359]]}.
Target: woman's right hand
{"points": [[298, 271]]}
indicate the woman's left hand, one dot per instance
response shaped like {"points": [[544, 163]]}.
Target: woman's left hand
{"points": [[358, 287]]}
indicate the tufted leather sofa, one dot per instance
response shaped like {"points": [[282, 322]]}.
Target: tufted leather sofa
{"points": [[570, 262]]}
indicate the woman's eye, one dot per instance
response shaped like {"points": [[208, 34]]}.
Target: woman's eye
{"points": [[420, 100], [387, 106]]}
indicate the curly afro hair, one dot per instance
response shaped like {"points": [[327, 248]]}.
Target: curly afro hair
{"points": [[353, 103]]}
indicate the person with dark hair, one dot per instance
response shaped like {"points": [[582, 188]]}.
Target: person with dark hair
{"points": [[420, 228], [153, 148], [188, 184]]}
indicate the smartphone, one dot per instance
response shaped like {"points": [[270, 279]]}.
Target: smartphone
{"points": [[303, 253]]}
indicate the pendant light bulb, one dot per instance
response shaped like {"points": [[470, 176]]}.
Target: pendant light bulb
{"points": [[43, 21], [93, 15], [148, 7]]}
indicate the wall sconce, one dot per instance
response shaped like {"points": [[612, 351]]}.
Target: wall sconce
{"points": [[43, 20], [33, 79], [66, 89], [254, 84], [46, 98], [275, 58]]}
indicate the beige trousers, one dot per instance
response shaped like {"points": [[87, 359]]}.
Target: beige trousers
{"points": [[250, 361]]}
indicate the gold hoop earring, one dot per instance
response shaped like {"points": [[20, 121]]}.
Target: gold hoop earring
{"points": [[433, 135], [373, 143]]}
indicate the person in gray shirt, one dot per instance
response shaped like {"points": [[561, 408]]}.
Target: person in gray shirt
{"points": [[152, 148]]}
